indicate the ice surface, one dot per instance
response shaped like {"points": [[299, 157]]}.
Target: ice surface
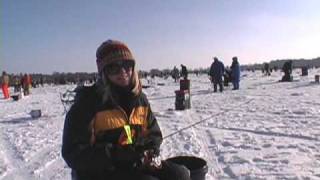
{"points": [[266, 130]]}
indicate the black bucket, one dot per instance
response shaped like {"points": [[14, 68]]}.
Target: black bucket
{"points": [[36, 113], [197, 166], [16, 97]]}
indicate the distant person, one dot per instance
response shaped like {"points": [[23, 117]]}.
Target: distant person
{"points": [[26, 84], [304, 70], [184, 71], [41, 80], [196, 72], [227, 76], [216, 72], [275, 68], [16, 84], [235, 73], [110, 132], [5, 85], [267, 69], [287, 69], [175, 74]]}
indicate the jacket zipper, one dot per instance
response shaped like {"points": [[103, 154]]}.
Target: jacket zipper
{"points": [[128, 120], [125, 114]]}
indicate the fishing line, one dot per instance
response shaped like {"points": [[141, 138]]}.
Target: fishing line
{"points": [[203, 120]]}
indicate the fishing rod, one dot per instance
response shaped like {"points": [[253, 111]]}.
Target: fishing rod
{"points": [[192, 125], [201, 121]]}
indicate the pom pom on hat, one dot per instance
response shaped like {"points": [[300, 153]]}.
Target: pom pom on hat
{"points": [[111, 51]]}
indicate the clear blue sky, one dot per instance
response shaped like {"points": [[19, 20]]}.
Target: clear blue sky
{"points": [[62, 35]]}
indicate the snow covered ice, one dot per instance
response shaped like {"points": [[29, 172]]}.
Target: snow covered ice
{"points": [[266, 130]]}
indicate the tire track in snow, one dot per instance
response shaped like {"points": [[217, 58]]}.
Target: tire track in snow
{"points": [[20, 167], [16, 165], [201, 145], [209, 144], [266, 133], [214, 169]]}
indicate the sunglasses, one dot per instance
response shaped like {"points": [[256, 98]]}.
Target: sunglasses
{"points": [[116, 67]]}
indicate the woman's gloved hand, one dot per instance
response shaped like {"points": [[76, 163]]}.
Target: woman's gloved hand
{"points": [[125, 156], [151, 160], [143, 144]]}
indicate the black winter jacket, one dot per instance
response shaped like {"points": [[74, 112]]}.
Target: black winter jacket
{"points": [[93, 129]]}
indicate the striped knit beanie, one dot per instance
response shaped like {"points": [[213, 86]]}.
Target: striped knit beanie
{"points": [[111, 51]]}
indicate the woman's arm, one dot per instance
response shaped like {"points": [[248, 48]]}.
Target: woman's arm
{"points": [[77, 151]]}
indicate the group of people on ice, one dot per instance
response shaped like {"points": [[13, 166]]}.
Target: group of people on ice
{"points": [[219, 75], [286, 68], [20, 83], [176, 74]]}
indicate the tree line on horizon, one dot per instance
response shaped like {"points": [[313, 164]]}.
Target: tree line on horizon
{"points": [[58, 78], [297, 63]]}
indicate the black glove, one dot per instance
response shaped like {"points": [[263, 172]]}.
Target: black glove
{"points": [[125, 157], [142, 144]]}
